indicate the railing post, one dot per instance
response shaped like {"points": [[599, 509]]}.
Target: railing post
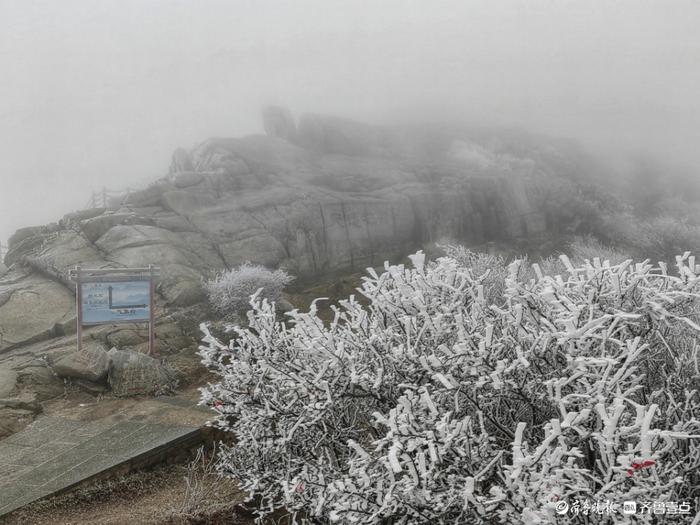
{"points": [[104, 197]]}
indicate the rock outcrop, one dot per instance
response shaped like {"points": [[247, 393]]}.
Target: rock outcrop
{"points": [[91, 364], [325, 195], [278, 122]]}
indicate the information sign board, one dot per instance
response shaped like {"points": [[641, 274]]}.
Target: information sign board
{"points": [[115, 302], [114, 296]]}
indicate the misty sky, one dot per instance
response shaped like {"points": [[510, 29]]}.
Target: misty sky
{"points": [[98, 92]]}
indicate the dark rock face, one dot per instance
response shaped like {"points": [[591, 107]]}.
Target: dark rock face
{"points": [[327, 195]]}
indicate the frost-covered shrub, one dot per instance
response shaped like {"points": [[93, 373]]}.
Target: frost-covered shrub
{"points": [[430, 405], [230, 291]]}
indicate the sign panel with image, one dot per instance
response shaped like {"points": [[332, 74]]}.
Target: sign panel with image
{"points": [[115, 302]]}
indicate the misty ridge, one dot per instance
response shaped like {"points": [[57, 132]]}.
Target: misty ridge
{"points": [[557, 187], [359, 263]]}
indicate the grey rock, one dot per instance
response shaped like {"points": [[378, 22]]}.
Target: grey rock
{"points": [[8, 382], [90, 363], [328, 195], [278, 122], [23, 234], [91, 387], [96, 227], [81, 215], [126, 336], [132, 373], [40, 380], [185, 179], [147, 197], [13, 420], [181, 161], [36, 309], [23, 403]]}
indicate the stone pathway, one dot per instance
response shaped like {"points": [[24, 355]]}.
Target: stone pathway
{"points": [[56, 453]]}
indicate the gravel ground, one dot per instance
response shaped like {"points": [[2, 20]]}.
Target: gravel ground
{"points": [[147, 497]]}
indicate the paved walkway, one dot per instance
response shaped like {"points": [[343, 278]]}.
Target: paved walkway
{"points": [[56, 453]]}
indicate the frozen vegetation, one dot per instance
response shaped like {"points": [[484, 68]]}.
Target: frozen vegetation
{"points": [[230, 291], [468, 390]]}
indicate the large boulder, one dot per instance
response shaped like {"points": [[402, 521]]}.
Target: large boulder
{"points": [[133, 373], [34, 308], [90, 363], [96, 227], [39, 379]]}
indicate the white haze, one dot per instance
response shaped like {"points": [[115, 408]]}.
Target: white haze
{"points": [[100, 93]]}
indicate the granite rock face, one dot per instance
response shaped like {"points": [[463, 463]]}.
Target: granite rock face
{"points": [[319, 196]]}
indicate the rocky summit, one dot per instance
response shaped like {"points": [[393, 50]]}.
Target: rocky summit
{"points": [[317, 195]]}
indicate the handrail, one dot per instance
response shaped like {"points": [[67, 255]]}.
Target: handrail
{"points": [[99, 198]]}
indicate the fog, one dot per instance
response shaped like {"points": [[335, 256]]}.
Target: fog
{"points": [[101, 93]]}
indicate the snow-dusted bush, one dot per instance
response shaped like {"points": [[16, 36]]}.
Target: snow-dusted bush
{"points": [[432, 405], [230, 291]]}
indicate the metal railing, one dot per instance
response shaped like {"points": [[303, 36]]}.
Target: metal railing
{"points": [[101, 198]]}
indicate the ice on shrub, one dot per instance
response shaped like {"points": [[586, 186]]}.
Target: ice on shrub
{"points": [[467, 390], [229, 292]]}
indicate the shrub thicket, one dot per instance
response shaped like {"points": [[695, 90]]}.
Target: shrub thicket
{"points": [[459, 395], [229, 292]]}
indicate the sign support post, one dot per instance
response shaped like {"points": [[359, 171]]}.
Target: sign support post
{"points": [[79, 308], [151, 312]]}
